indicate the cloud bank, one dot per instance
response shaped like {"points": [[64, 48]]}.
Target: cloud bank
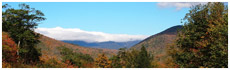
{"points": [[178, 5], [88, 36]]}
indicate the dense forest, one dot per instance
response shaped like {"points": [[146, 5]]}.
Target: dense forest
{"points": [[202, 42]]}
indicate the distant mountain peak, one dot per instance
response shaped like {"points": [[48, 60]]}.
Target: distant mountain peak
{"points": [[154, 41], [171, 30]]}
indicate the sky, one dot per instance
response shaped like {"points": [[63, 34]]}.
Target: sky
{"points": [[107, 21]]}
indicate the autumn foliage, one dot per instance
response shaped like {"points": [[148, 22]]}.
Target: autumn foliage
{"points": [[9, 50], [102, 61], [203, 41]]}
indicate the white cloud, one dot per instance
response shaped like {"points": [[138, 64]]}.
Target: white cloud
{"points": [[88, 36], [178, 5]]}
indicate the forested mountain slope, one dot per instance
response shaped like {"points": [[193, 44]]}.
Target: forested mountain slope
{"points": [[156, 44], [49, 47]]}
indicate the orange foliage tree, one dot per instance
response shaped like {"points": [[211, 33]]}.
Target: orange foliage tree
{"points": [[102, 61], [9, 50]]}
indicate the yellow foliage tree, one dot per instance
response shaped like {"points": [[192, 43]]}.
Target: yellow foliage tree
{"points": [[102, 61]]}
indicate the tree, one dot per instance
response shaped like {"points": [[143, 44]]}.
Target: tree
{"points": [[102, 61], [126, 58], [73, 58], [20, 24], [115, 62], [203, 40], [131, 59], [143, 59], [52, 63]]}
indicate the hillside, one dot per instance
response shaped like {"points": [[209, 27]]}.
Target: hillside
{"points": [[156, 44], [107, 44], [49, 48], [159, 39]]}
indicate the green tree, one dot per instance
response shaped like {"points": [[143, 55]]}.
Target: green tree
{"points": [[74, 58], [20, 24], [115, 62], [203, 41], [126, 59], [131, 59], [120, 60], [143, 58]]}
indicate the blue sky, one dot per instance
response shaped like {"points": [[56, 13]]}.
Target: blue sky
{"points": [[135, 18], [107, 21]]}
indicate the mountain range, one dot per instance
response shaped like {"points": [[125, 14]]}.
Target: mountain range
{"points": [[107, 44], [155, 44]]}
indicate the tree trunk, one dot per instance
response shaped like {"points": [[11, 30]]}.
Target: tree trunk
{"points": [[18, 48]]}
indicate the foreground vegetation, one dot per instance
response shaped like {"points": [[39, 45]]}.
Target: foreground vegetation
{"points": [[126, 59], [202, 42]]}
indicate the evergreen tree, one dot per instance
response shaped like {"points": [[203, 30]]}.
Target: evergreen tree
{"points": [[131, 59], [143, 58], [116, 62], [203, 41]]}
